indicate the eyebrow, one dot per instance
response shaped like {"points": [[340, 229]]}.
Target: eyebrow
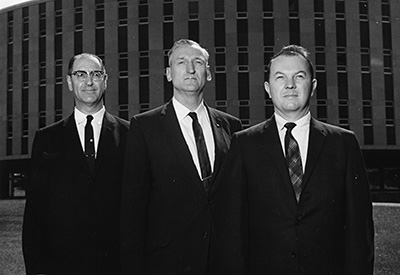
{"points": [[86, 71], [301, 71]]}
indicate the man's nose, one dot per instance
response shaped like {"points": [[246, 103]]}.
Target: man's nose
{"points": [[190, 67], [290, 83], [89, 80]]}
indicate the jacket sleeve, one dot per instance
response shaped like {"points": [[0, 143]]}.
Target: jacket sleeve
{"points": [[134, 202], [359, 229], [34, 222], [231, 217]]}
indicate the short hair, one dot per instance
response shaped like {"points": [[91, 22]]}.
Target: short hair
{"points": [[186, 42], [292, 50], [72, 61]]}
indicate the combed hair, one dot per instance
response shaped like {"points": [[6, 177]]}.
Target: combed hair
{"points": [[186, 42], [292, 50], [72, 60]]}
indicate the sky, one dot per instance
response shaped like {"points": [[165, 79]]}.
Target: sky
{"points": [[6, 3]]}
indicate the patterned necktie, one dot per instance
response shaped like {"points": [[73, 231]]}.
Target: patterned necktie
{"points": [[204, 160], [89, 143], [293, 160]]}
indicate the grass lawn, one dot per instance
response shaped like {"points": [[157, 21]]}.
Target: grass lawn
{"points": [[387, 238], [11, 261]]}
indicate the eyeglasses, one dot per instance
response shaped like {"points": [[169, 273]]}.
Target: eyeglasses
{"points": [[83, 75]]}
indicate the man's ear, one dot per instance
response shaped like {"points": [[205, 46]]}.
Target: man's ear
{"points": [[69, 81], [267, 88], [105, 81], [209, 75], [314, 86], [168, 74]]}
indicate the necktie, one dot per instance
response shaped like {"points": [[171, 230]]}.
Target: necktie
{"points": [[204, 160], [89, 143], [293, 160]]}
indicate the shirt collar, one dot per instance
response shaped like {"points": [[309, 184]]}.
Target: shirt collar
{"points": [[182, 112], [300, 123], [97, 117]]}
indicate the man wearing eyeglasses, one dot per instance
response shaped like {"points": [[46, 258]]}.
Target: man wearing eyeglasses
{"points": [[71, 221]]}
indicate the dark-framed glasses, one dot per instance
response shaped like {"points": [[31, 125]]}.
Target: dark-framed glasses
{"points": [[83, 75]]}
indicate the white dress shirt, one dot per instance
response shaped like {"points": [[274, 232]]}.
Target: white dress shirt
{"points": [[185, 122], [80, 120], [301, 133]]}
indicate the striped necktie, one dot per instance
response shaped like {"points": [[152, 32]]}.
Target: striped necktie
{"points": [[293, 160]]}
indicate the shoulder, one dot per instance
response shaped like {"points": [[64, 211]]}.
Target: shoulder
{"points": [[222, 115], [225, 119], [333, 132], [257, 129], [53, 135], [56, 127], [330, 129], [251, 135], [151, 114], [119, 122], [151, 119]]}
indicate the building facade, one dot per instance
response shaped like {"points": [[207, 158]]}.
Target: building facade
{"points": [[353, 44]]}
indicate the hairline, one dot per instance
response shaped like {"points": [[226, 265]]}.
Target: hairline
{"points": [[293, 50], [85, 55], [187, 43]]}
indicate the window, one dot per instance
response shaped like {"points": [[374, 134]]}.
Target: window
{"points": [[319, 25], [194, 30], [243, 84], [193, 9], [294, 29], [342, 86], [219, 33], [242, 32], [220, 86], [268, 32], [122, 39]]}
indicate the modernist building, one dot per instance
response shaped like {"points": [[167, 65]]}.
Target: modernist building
{"points": [[354, 46]]}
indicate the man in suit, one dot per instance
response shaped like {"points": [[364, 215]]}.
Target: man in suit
{"points": [[71, 221], [297, 195], [169, 179]]}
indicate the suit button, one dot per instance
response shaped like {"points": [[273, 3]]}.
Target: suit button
{"points": [[210, 201], [205, 235], [294, 254]]}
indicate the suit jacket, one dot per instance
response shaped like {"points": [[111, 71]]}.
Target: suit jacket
{"points": [[263, 230], [166, 213], [71, 221]]}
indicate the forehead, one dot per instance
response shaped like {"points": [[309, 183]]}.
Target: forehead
{"points": [[285, 63], [87, 63], [188, 51]]}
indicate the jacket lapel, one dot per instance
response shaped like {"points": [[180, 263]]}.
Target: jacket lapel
{"points": [[221, 140], [72, 144], [107, 137], [273, 148], [316, 141], [177, 141]]}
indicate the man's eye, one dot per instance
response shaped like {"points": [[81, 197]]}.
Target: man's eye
{"points": [[199, 62], [97, 74], [80, 74]]}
